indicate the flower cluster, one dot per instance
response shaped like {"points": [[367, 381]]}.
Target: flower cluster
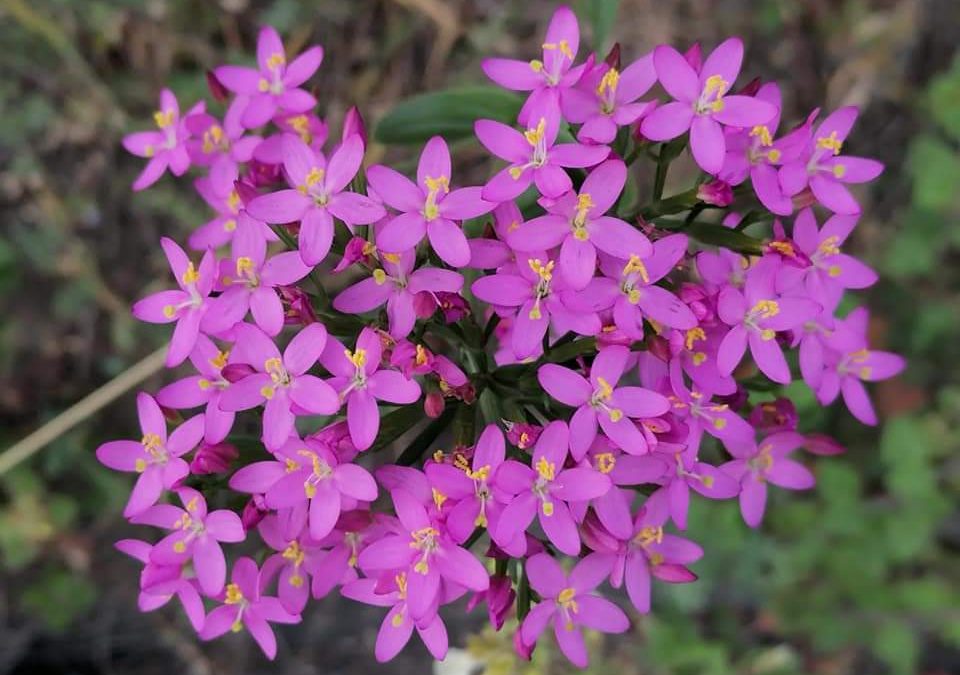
{"points": [[587, 361]]}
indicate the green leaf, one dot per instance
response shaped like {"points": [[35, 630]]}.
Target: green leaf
{"points": [[896, 643], [944, 97], [449, 113], [396, 423], [934, 166], [718, 235], [601, 14]]}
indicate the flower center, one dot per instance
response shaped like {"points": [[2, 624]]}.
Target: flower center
{"points": [[545, 275], [546, 472], [434, 186], [278, 376], [153, 445], [313, 185], [601, 397], [321, 471], [536, 137], [607, 90], [567, 603], [711, 98], [424, 540], [579, 222]]}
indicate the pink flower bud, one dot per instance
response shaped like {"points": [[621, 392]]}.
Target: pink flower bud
{"points": [[716, 192], [453, 306], [774, 416], [217, 90], [820, 444], [353, 124], [659, 347], [523, 435], [213, 458], [356, 250], [433, 404], [234, 372], [424, 305], [524, 651], [254, 511], [298, 308]]}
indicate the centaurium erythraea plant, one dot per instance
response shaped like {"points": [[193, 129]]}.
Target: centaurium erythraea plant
{"points": [[553, 368]]}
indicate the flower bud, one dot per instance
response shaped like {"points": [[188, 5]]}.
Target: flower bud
{"points": [[234, 372], [217, 90], [254, 511], [353, 124], [774, 416], [213, 458], [298, 308], [453, 306], [716, 192], [524, 651], [433, 404], [820, 444]]}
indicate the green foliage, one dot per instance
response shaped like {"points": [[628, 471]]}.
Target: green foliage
{"points": [[601, 15], [449, 113]]}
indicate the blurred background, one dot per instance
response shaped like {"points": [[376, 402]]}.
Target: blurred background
{"points": [[861, 575]]}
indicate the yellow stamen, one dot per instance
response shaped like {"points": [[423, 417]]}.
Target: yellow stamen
{"points": [[190, 275], [636, 266], [830, 142], [234, 595], [379, 276], [605, 462], [546, 470], [763, 132]]}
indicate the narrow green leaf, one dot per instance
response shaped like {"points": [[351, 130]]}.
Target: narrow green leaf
{"points": [[718, 235], [601, 14], [449, 113]]}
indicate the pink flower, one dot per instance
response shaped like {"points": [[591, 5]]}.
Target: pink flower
{"points": [[823, 169], [702, 104], [308, 127], [396, 283], [398, 624], [533, 157], [274, 85], [631, 290], [756, 465], [576, 223], [281, 382], [250, 282], [308, 477], [196, 537], [293, 563], [219, 146], [755, 315], [531, 288], [425, 551], [361, 382], [570, 603], [427, 208], [317, 194], [155, 457], [605, 99], [545, 491], [159, 583], [166, 147], [204, 388], [599, 400], [186, 307], [689, 473], [244, 607]]}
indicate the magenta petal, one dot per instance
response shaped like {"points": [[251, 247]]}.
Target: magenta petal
{"points": [[324, 510], [355, 209], [571, 642], [769, 358], [617, 238], [449, 242], [503, 141], [858, 401], [393, 635], [402, 233], [393, 387], [546, 576], [344, 164], [560, 528], [833, 195], [502, 289], [536, 621], [745, 112], [285, 206], [314, 395], [462, 567], [316, 236], [267, 310], [505, 186], [363, 296], [395, 189], [732, 348], [580, 484], [363, 418], [305, 348], [707, 143], [539, 234], [668, 121], [210, 565], [675, 74], [303, 67], [578, 262], [753, 500], [512, 74], [564, 385]]}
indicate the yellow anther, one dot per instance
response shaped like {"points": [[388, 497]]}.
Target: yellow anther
{"points": [[839, 170], [163, 119], [190, 275], [783, 248], [719, 423], [649, 535], [483, 473], [368, 248], [233, 200], [636, 266], [566, 595], [236, 626], [140, 465], [765, 309], [563, 46], [436, 185], [829, 246], [707, 481], [234, 595], [276, 60], [768, 334], [296, 581], [616, 414], [656, 559], [358, 358], [421, 357], [379, 276], [309, 489], [546, 470], [267, 391], [263, 85], [604, 390], [193, 504], [536, 66], [392, 257], [169, 311], [534, 135], [605, 462], [773, 155], [294, 553], [698, 358], [763, 132], [633, 296], [830, 142], [438, 498], [212, 138], [865, 372], [152, 443], [229, 225], [609, 82], [179, 547], [244, 265], [480, 520], [548, 509], [149, 151], [545, 272], [220, 360], [397, 620], [693, 335], [314, 176], [438, 456], [524, 441], [834, 271], [584, 204], [292, 465], [516, 172], [421, 567]]}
